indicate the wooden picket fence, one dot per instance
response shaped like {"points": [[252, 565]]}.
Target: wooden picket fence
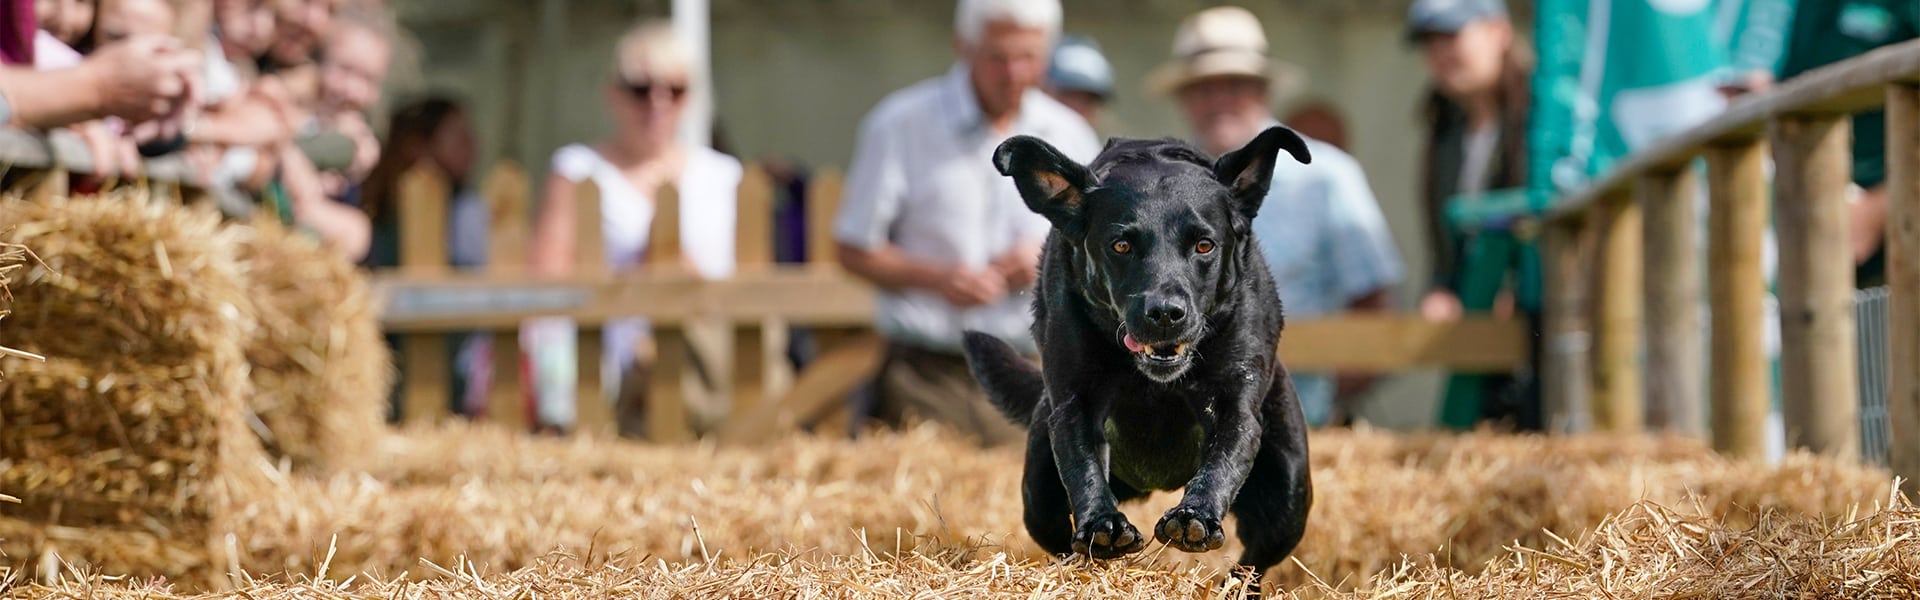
{"points": [[764, 302], [1623, 264]]}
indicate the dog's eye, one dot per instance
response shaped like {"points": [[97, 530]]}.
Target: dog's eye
{"points": [[1204, 247], [1122, 247]]}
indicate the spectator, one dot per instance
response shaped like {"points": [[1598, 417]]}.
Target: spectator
{"points": [[647, 99], [1477, 119], [1320, 230], [945, 237], [1080, 77], [64, 21], [359, 50], [300, 28], [1823, 33], [434, 132], [143, 79]]}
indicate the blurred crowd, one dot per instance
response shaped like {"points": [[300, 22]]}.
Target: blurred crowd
{"points": [[271, 97]]}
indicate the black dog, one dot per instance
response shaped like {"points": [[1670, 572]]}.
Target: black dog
{"points": [[1157, 321]]}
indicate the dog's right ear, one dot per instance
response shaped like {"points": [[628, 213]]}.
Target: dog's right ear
{"points": [[1052, 185]]}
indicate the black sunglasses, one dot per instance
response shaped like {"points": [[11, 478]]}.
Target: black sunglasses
{"points": [[644, 89]]}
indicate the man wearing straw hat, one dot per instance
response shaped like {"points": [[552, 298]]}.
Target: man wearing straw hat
{"points": [[1320, 228]]}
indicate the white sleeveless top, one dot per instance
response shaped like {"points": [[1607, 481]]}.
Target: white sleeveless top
{"points": [[708, 184], [707, 204]]}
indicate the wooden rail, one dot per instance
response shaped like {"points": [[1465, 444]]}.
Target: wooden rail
{"points": [[1646, 259]]}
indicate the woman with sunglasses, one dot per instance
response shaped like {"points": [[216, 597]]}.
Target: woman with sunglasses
{"points": [[646, 100]]}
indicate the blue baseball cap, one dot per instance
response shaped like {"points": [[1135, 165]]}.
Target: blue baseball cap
{"points": [[1077, 65], [1449, 16]]}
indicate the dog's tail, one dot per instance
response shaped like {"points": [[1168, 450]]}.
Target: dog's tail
{"points": [[1012, 384]]}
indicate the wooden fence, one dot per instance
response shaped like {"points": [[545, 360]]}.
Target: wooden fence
{"points": [[764, 302], [1638, 226]]}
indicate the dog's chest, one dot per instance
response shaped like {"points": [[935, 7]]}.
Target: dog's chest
{"points": [[1154, 453]]}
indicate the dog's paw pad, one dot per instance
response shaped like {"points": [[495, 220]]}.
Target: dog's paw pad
{"points": [[1109, 536], [1190, 530]]}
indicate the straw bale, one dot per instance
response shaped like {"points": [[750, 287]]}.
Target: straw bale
{"points": [[136, 421], [1652, 550], [1648, 550], [321, 370], [503, 501]]}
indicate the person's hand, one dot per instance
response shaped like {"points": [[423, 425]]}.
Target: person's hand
{"points": [[968, 287], [145, 78], [1019, 267], [1440, 306], [366, 145]]}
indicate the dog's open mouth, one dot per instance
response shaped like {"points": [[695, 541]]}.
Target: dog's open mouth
{"points": [[1165, 353]]}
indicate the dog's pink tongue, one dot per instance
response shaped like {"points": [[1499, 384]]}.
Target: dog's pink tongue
{"points": [[1132, 344]]}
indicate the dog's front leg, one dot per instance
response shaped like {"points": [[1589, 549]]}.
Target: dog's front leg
{"points": [[1232, 442], [1080, 450]]}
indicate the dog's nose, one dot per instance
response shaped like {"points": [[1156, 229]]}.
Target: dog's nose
{"points": [[1165, 313]]}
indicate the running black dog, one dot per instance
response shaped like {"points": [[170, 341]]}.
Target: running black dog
{"points": [[1157, 321]]}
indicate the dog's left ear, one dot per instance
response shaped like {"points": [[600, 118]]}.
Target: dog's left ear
{"points": [[1247, 172], [1051, 184]]}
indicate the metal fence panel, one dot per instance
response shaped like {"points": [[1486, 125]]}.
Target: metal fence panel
{"points": [[1870, 312]]}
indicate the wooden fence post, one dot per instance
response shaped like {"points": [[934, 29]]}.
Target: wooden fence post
{"points": [[506, 189], [1617, 375], [1569, 330], [823, 203], [1737, 220], [1817, 357], [666, 407], [593, 415], [1903, 281], [422, 203], [760, 369], [1672, 287]]}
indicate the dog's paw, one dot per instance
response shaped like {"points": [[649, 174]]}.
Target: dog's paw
{"points": [[1190, 530], [1108, 536]]}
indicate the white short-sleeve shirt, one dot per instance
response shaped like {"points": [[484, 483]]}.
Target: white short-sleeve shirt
{"points": [[922, 179]]}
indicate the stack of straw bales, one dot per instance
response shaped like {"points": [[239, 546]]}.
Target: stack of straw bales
{"points": [[132, 436], [321, 371]]}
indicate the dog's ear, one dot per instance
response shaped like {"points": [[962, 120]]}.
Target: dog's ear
{"points": [[1051, 184], [1247, 172]]}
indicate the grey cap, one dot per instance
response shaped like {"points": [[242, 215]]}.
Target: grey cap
{"points": [[1077, 65], [1448, 16]]}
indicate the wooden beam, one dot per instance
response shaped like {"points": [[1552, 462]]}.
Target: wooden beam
{"points": [[1617, 374], [1672, 286], [457, 301], [1569, 328], [1383, 343], [423, 251], [843, 365], [1817, 359], [1903, 282], [1737, 221], [1838, 89]]}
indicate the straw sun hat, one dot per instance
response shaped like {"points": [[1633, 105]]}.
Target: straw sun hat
{"points": [[1223, 41]]}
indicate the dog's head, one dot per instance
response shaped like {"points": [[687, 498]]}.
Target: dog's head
{"points": [[1161, 230]]}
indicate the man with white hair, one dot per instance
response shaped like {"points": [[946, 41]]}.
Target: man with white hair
{"points": [[945, 237]]}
